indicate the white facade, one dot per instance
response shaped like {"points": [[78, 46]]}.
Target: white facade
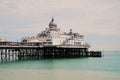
{"points": [[57, 37]]}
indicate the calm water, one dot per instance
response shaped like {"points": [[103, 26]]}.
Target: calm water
{"points": [[107, 67]]}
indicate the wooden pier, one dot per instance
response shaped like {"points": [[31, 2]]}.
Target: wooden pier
{"points": [[10, 53]]}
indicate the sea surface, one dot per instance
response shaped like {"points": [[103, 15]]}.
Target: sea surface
{"points": [[104, 68]]}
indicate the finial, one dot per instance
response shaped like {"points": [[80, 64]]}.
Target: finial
{"points": [[52, 19], [71, 30]]}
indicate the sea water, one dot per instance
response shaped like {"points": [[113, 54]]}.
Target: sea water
{"points": [[91, 68]]}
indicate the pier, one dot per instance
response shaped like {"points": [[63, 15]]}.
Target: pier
{"points": [[50, 43], [10, 53]]}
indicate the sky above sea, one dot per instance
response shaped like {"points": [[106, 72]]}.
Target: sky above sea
{"points": [[97, 20]]}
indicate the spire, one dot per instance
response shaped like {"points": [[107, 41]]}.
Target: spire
{"points": [[70, 30], [70, 33], [52, 19], [52, 24]]}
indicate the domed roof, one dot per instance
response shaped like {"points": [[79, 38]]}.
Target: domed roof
{"points": [[43, 34], [52, 23]]}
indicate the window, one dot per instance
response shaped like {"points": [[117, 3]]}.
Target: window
{"points": [[48, 40]]}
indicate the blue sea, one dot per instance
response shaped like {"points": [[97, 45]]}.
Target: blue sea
{"points": [[106, 67]]}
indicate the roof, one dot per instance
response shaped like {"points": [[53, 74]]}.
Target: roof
{"points": [[52, 23]]}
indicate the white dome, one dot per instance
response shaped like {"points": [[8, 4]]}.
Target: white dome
{"points": [[52, 23]]}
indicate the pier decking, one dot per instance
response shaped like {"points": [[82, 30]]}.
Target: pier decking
{"points": [[8, 53]]}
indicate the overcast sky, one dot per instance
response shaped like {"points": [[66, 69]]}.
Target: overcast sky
{"points": [[97, 20]]}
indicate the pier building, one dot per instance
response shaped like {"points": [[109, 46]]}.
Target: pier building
{"points": [[54, 36], [1, 39]]}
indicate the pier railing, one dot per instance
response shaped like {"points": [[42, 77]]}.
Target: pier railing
{"points": [[36, 44]]}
